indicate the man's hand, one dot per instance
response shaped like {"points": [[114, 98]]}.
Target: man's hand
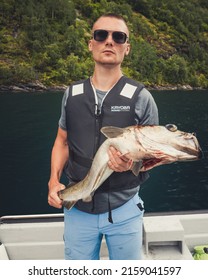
{"points": [[53, 198], [117, 162]]}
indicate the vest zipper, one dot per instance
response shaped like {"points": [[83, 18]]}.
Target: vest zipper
{"points": [[97, 121], [98, 117], [97, 127]]}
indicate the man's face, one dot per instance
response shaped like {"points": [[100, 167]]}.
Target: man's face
{"points": [[108, 52]]}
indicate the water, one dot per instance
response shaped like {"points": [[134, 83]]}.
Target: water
{"points": [[181, 186], [28, 125]]}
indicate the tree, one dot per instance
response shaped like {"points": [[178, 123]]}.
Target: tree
{"points": [[176, 70]]}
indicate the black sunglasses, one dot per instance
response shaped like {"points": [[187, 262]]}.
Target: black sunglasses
{"points": [[101, 35]]}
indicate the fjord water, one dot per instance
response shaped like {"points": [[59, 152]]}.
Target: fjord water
{"points": [[28, 125]]}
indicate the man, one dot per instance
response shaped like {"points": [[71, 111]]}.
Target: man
{"points": [[106, 98]]}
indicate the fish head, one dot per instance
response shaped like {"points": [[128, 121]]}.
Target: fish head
{"points": [[166, 144]]}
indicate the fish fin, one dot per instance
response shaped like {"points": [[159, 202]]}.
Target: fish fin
{"points": [[136, 167], [112, 131], [68, 204]]}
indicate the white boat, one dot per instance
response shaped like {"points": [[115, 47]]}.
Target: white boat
{"points": [[40, 237]]}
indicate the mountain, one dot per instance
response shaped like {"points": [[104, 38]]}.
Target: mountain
{"points": [[46, 40]]}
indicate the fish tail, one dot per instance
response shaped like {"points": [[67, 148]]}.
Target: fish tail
{"points": [[68, 204], [60, 194]]}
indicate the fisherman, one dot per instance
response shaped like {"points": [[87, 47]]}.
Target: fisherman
{"points": [[107, 98]]}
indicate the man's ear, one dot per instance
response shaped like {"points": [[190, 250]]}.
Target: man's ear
{"points": [[90, 45], [128, 49]]}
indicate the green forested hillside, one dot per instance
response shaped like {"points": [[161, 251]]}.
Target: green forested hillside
{"points": [[46, 40]]}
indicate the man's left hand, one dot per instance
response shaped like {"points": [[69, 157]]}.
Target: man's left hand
{"points": [[117, 162]]}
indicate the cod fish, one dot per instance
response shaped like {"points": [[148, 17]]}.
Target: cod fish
{"points": [[147, 146]]}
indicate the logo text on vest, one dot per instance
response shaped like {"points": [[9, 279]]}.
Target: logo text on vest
{"points": [[120, 108]]}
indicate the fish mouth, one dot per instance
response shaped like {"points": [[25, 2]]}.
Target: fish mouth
{"points": [[152, 162], [196, 154]]}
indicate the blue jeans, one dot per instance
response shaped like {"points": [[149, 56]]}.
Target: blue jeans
{"points": [[83, 233]]}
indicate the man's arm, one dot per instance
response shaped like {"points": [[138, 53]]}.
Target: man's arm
{"points": [[59, 157]]}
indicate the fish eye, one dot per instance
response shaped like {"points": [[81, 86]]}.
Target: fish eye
{"points": [[171, 127]]}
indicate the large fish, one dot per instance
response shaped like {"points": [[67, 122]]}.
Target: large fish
{"points": [[147, 146]]}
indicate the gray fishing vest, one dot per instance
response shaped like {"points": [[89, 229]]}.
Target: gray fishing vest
{"points": [[84, 121]]}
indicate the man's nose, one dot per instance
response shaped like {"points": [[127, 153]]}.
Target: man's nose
{"points": [[109, 39]]}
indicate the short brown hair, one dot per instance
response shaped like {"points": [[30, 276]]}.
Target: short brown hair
{"points": [[112, 15]]}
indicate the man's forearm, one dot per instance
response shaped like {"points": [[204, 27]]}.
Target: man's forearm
{"points": [[59, 157]]}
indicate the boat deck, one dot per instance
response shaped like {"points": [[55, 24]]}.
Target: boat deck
{"points": [[165, 237]]}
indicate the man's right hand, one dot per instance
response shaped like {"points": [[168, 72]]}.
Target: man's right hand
{"points": [[53, 198]]}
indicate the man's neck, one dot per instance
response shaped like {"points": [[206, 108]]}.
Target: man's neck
{"points": [[105, 78]]}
